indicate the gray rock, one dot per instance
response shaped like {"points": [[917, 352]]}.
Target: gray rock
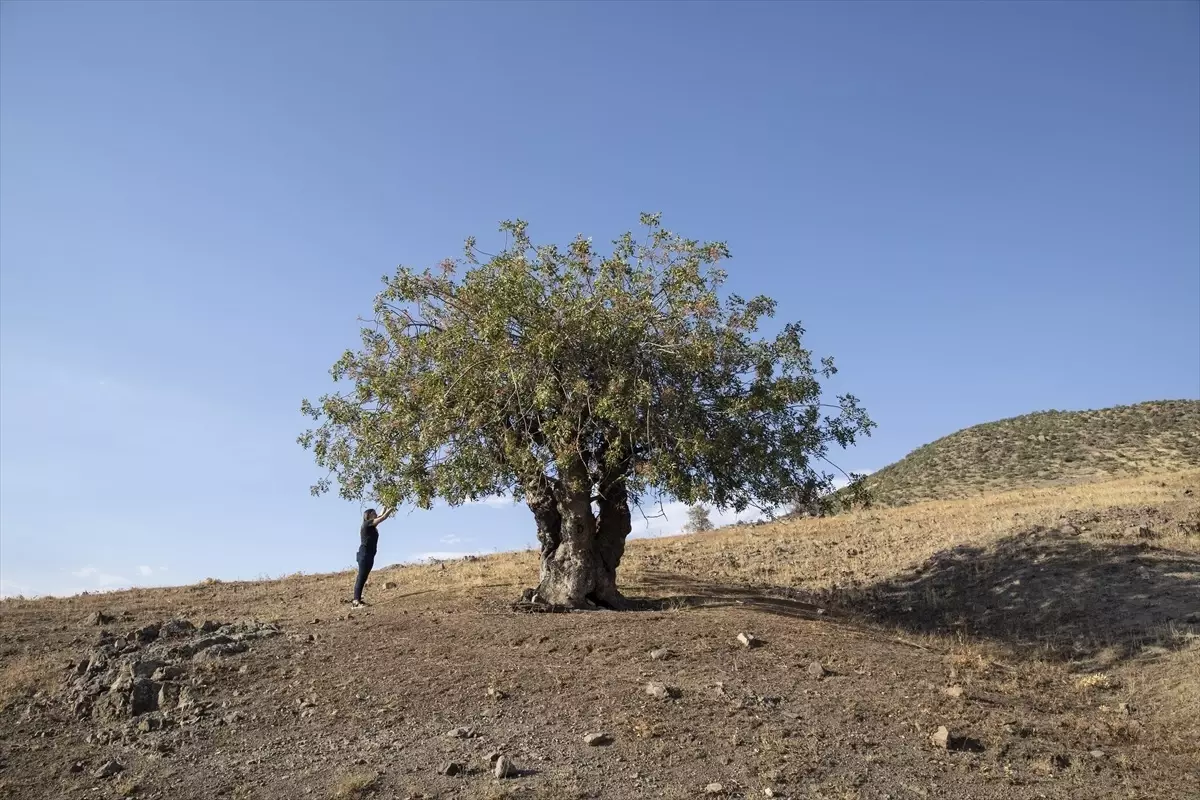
{"points": [[817, 670], [714, 788], [219, 651], [598, 739], [144, 635], [452, 768], [177, 627], [461, 733], [108, 769], [99, 618], [660, 691], [390, 584], [661, 654], [749, 640], [143, 696], [504, 768]]}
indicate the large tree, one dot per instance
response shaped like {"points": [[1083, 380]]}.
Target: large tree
{"points": [[582, 383]]}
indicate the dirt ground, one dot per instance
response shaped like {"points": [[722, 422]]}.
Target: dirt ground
{"points": [[1053, 634]]}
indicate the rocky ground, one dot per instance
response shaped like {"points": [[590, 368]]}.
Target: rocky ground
{"points": [[929, 682]]}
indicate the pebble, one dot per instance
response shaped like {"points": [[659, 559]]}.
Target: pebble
{"points": [[504, 768], [714, 788], [598, 739], [817, 670], [749, 640], [108, 769]]}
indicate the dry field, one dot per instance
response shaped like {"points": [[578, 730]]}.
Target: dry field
{"points": [[1053, 633]]}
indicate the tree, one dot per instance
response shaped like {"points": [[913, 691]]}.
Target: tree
{"points": [[580, 383], [698, 520]]}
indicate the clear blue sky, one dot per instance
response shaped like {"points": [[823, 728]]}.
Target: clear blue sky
{"points": [[980, 209]]}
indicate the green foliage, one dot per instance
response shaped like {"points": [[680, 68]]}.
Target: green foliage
{"points": [[489, 373], [698, 520]]}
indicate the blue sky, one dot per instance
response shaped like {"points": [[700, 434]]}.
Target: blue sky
{"points": [[979, 209]]}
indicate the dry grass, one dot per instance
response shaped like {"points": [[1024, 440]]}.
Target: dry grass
{"points": [[1046, 448], [23, 675], [353, 785]]}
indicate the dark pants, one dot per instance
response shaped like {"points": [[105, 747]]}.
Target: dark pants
{"points": [[366, 560]]}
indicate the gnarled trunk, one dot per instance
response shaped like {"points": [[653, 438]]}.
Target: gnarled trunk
{"points": [[580, 550]]}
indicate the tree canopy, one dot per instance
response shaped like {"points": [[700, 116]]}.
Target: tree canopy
{"points": [[566, 372]]}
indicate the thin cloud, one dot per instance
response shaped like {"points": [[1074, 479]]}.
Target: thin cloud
{"points": [[444, 555]]}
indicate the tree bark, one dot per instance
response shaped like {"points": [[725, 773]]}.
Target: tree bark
{"points": [[580, 551]]}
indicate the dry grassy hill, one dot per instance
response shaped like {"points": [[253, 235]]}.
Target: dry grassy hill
{"points": [[1040, 643], [1049, 447]]}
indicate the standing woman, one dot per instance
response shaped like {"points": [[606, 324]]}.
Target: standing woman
{"points": [[369, 541]]}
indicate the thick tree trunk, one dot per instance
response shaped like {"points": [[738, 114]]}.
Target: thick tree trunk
{"points": [[580, 550]]}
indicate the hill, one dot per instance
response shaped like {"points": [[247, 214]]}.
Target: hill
{"points": [[1049, 447], [1037, 643]]}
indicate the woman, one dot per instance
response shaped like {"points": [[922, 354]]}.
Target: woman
{"points": [[369, 539]]}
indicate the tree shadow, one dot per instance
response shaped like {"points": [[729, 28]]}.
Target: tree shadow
{"points": [[1047, 592], [1043, 593]]}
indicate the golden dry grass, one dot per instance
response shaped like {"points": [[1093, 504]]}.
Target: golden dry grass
{"points": [[1046, 448]]}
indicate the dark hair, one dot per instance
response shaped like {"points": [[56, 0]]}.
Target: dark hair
{"points": [[370, 512]]}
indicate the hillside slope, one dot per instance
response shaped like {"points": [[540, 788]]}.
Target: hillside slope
{"points": [[998, 648], [1045, 448]]}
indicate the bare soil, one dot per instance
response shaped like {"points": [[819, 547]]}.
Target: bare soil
{"points": [[1052, 633]]}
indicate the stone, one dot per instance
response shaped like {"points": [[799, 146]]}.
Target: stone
{"points": [[234, 718], [660, 691], [953, 691], [452, 768], [208, 626], [1096, 754], [1068, 529], [99, 618], [768, 792], [77, 767], [219, 651], [504, 768], [168, 672], [150, 722], [176, 627], [143, 696], [598, 739], [461, 733], [495, 694], [108, 769], [714, 788], [941, 738], [749, 640], [661, 654], [491, 757], [816, 670], [390, 585], [144, 635]]}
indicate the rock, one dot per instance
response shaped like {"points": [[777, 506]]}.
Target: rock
{"points": [[1068, 529], [99, 618], [176, 627], [492, 756], [390, 584], [143, 696], [504, 768], [1096, 754], [219, 651], [77, 767], [660, 691], [234, 718], [714, 788], [208, 626], [941, 738], [168, 672], [495, 694], [598, 739], [151, 722], [461, 733], [661, 654], [452, 768], [144, 635], [817, 670], [768, 792], [953, 691], [108, 769], [749, 640], [1192, 617]]}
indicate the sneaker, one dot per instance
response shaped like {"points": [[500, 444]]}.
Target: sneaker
{"points": [[357, 604]]}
